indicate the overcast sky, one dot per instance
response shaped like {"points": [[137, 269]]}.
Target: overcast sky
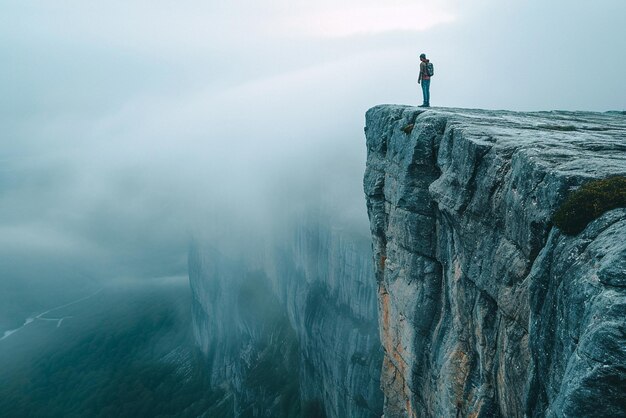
{"points": [[126, 124]]}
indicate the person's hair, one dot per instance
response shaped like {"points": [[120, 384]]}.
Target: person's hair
{"points": [[422, 55]]}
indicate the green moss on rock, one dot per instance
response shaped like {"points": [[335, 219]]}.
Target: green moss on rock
{"points": [[589, 202]]}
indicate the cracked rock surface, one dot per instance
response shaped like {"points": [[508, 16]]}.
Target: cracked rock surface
{"points": [[485, 308]]}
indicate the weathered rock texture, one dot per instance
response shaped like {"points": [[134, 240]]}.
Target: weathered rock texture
{"points": [[294, 333], [486, 309]]}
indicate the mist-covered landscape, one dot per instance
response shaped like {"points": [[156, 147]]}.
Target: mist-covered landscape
{"points": [[123, 351], [204, 211]]}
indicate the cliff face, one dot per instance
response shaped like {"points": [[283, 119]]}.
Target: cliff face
{"points": [[294, 333], [486, 309]]}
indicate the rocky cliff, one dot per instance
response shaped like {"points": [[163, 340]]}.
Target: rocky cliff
{"points": [[487, 309], [293, 330]]}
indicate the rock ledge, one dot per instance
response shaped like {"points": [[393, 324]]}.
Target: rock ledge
{"points": [[485, 308]]}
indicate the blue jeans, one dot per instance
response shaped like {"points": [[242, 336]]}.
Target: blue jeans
{"points": [[426, 91]]}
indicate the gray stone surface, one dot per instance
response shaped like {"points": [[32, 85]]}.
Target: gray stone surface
{"points": [[486, 309]]}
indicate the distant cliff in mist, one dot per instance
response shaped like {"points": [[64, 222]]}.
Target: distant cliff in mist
{"points": [[292, 331], [486, 308]]}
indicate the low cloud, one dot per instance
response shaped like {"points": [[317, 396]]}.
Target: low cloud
{"points": [[129, 127]]}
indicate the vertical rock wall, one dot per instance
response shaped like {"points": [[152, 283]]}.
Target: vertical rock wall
{"points": [[485, 308], [320, 284]]}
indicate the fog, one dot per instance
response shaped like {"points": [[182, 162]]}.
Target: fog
{"points": [[129, 128]]}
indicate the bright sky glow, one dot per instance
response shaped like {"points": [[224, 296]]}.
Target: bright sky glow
{"points": [[342, 22]]}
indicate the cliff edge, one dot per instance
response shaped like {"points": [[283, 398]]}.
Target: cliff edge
{"points": [[485, 308]]}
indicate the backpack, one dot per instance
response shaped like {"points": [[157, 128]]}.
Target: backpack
{"points": [[430, 69]]}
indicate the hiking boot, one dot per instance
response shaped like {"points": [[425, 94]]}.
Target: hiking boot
{"points": [[424, 105]]}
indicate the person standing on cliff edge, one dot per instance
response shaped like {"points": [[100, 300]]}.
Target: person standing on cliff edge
{"points": [[424, 79]]}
